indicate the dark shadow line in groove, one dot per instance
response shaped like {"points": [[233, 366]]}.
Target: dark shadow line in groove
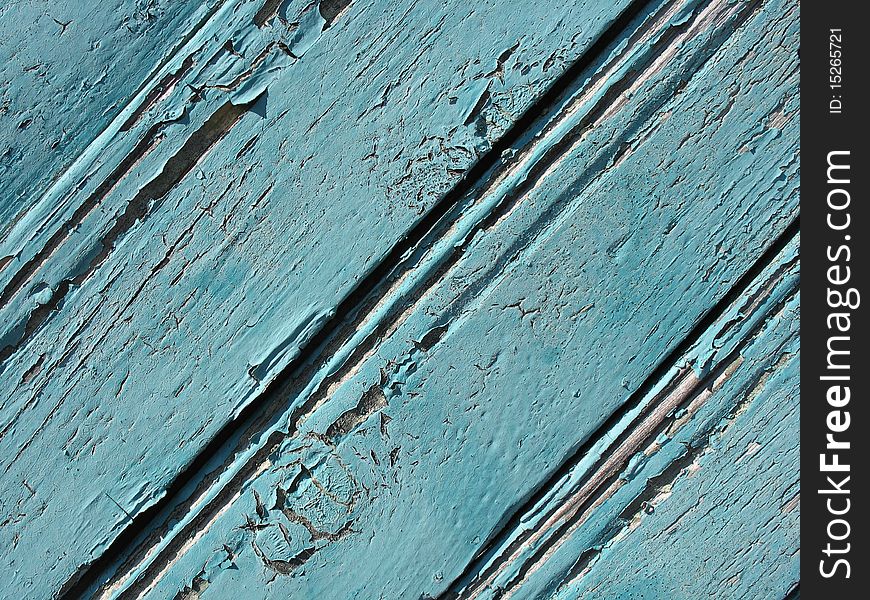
{"points": [[88, 575], [29, 268], [160, 88], [708, 320]]}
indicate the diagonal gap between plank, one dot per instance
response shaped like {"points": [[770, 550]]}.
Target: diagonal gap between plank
{"points": [[705, 386]]}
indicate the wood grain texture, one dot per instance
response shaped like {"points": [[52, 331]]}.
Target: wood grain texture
{"points": [[458, 412], [212, 206], [380, 300], [733, 510]]}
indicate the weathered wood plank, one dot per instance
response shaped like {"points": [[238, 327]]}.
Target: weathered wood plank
{"points": [[68, 69], [489, 376], [186, 261]]}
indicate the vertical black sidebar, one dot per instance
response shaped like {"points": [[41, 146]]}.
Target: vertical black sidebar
{"points": [[835, 421]]}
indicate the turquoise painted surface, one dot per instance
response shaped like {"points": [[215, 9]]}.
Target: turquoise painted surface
{"points": [[463, 437], [236, 258]]}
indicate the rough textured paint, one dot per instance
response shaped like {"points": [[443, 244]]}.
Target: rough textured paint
{"points": [[381, 300], [227, 229], [440, 402]]}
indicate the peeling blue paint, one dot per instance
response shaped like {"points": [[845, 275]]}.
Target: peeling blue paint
{"points": [[296, 252]]}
